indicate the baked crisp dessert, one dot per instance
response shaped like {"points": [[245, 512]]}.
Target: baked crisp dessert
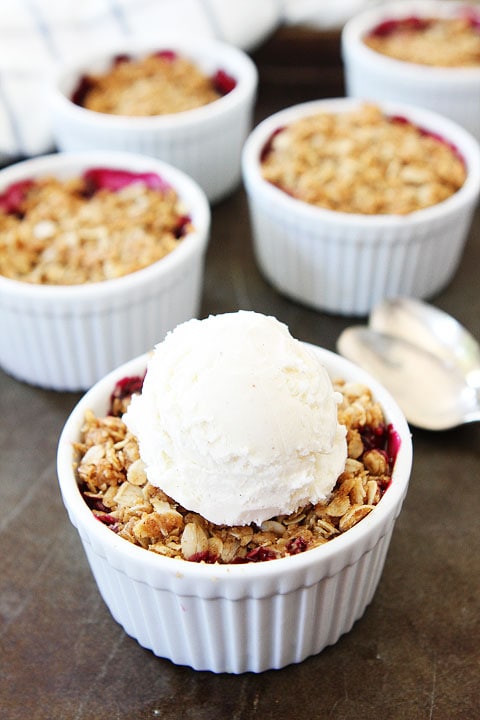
{"points": [[440, 42], [362, 161], [102, 225], [113, 483], [158, 84]]}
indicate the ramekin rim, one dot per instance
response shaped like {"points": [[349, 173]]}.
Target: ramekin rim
{"points": [[254, 182], [390, 503], [244, 89], [356, 28]]}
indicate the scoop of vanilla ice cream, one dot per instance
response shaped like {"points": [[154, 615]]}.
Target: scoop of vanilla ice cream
{"points": [[237, 420]]}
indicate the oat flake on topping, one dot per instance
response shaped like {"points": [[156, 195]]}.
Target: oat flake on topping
{"points": [[112, 479], [361, 161], [441, 42], [152, 85], [62, 237]]}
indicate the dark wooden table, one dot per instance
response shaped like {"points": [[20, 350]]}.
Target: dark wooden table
{"points": [[416, 652]]}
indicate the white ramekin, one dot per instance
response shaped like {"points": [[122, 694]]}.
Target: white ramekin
{"points": [[237, 618], [346, 263], [205, 142], [453, 92], [68, 337]]}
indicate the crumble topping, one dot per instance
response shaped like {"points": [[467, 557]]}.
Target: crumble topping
{"points": [[112, 480], [158, 84], [440, 42], [362, 161], [104, 225]]}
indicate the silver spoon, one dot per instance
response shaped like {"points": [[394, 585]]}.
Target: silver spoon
{"points": [[432, 391], [430, 328]]}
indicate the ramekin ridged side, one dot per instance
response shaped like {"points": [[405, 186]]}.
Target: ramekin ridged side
{"points": [[205, 142], [237, 618], [68, 337], [453, 92], [345, 263]]}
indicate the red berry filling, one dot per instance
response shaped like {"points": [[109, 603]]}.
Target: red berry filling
{"points": [[114, 180], [268, 147], [122, 392], [383, 438], [472, 17], [413, 23], [83, 88], [206, 557], [11, 199], [111, 179], [223, 82], [408, 24], [170, 55]]}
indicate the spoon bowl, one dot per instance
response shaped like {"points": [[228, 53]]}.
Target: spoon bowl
{"points": [[433, 330], [432, 391]]}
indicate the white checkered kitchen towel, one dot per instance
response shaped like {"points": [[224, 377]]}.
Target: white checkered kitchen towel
{"points": [[37, 36]]}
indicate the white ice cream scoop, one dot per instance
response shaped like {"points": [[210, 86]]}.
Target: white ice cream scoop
{"points": [[237, 420]]}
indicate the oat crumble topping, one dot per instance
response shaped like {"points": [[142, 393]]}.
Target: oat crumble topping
{"points": [[158, 84], [112, 480], [60, 232], [440, 42], [361, 161]]}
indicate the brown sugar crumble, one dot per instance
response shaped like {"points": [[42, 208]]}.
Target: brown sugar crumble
{"points": [[112, 480], [160, 83], [438, 42], [103, 225], [362, 161]]}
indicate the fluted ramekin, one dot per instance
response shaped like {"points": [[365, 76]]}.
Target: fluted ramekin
{"points": [[204, 142], [66, 337], [346, 263], [244, 617], [453, 92]]}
